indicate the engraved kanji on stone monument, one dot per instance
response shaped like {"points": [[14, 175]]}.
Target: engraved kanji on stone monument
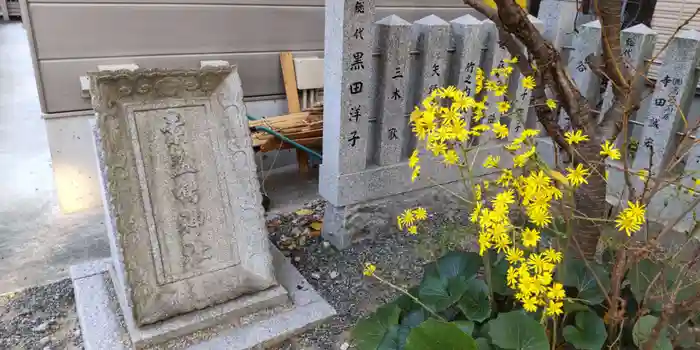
{"points": [[348, 87], [185, 220], [520, 108], [394, 39], [468, 38], [585, 43], [637, 48], [495, 56], [675, 87], [433, 35]]}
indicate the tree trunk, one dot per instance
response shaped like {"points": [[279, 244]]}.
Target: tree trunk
{"points": [[590, 202]]}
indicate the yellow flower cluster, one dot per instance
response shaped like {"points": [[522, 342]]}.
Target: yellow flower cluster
{"points": [[530, 272], [449, 121], [410, 218], [631, 218], [369, 269]]}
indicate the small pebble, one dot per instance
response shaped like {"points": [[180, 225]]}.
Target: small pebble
{"points": [[297, 258], [45, 340], [315, 275], [326, 244], [333, 274], [345, 346], [41, 328]]}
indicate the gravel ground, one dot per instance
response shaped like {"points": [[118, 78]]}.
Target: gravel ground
{"points": [[44, 317], [40, 318]]}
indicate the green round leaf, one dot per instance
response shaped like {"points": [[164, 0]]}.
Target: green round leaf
{"points": [[370, 332], [574, 306], [499, 272], [641, 276], [642, 332], [482, 344], [589, 332], [453, 264], [437, 335], [391, 340], [518, 331], [465, 326], [475, 304], [576, 274]]}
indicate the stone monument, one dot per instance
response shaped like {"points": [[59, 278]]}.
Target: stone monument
{"points": [[191, 262]]}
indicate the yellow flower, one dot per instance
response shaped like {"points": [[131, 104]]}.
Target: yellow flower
{"points": [[554, 308], [626, 223], [490, 85], [513, 146], [536, 262], [500, 90], [502, 243], [643, 174], [412, 230], [512, 277], [413, 160], [369, 269], [420, 213], [637, 211], [577, 176], [530, 304], [477, 192], [491, 161], [631, 219], [437, 147], [501, 130], [416, 173], [528, 82], [503, 199], [484, 242], [530, 237], [450, 157], [408, 218], [574, 137], [503, 106], [609, 150], [539, 216], [481, 128], [514, 255], [512, 60], [556, 292], [475, 214], [551, 104], [530, 133], [552, 255]]}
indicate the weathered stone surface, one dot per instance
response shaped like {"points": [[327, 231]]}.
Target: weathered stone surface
{"points": [[236, 329], [558, 17], [675, 86], [181, 193], [520, 116], [468, 38], [348, 85], [392, 133], [433, 35], [344, 225], [586, 43]]}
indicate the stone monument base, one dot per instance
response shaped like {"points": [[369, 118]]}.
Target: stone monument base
{"points": [[258, 320]]}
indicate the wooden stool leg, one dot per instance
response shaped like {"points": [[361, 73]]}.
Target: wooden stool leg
{"points": [[303, 162]]}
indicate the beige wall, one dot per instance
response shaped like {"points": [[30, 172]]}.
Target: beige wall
{"points": [[72, 38]]}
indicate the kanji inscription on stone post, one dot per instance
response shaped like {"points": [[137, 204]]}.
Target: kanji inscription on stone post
{"points": [[394, 38], [674, 88], [347, 84]]}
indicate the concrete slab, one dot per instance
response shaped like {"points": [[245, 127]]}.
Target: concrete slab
{"points": [[37, 242], [101, 318]]}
